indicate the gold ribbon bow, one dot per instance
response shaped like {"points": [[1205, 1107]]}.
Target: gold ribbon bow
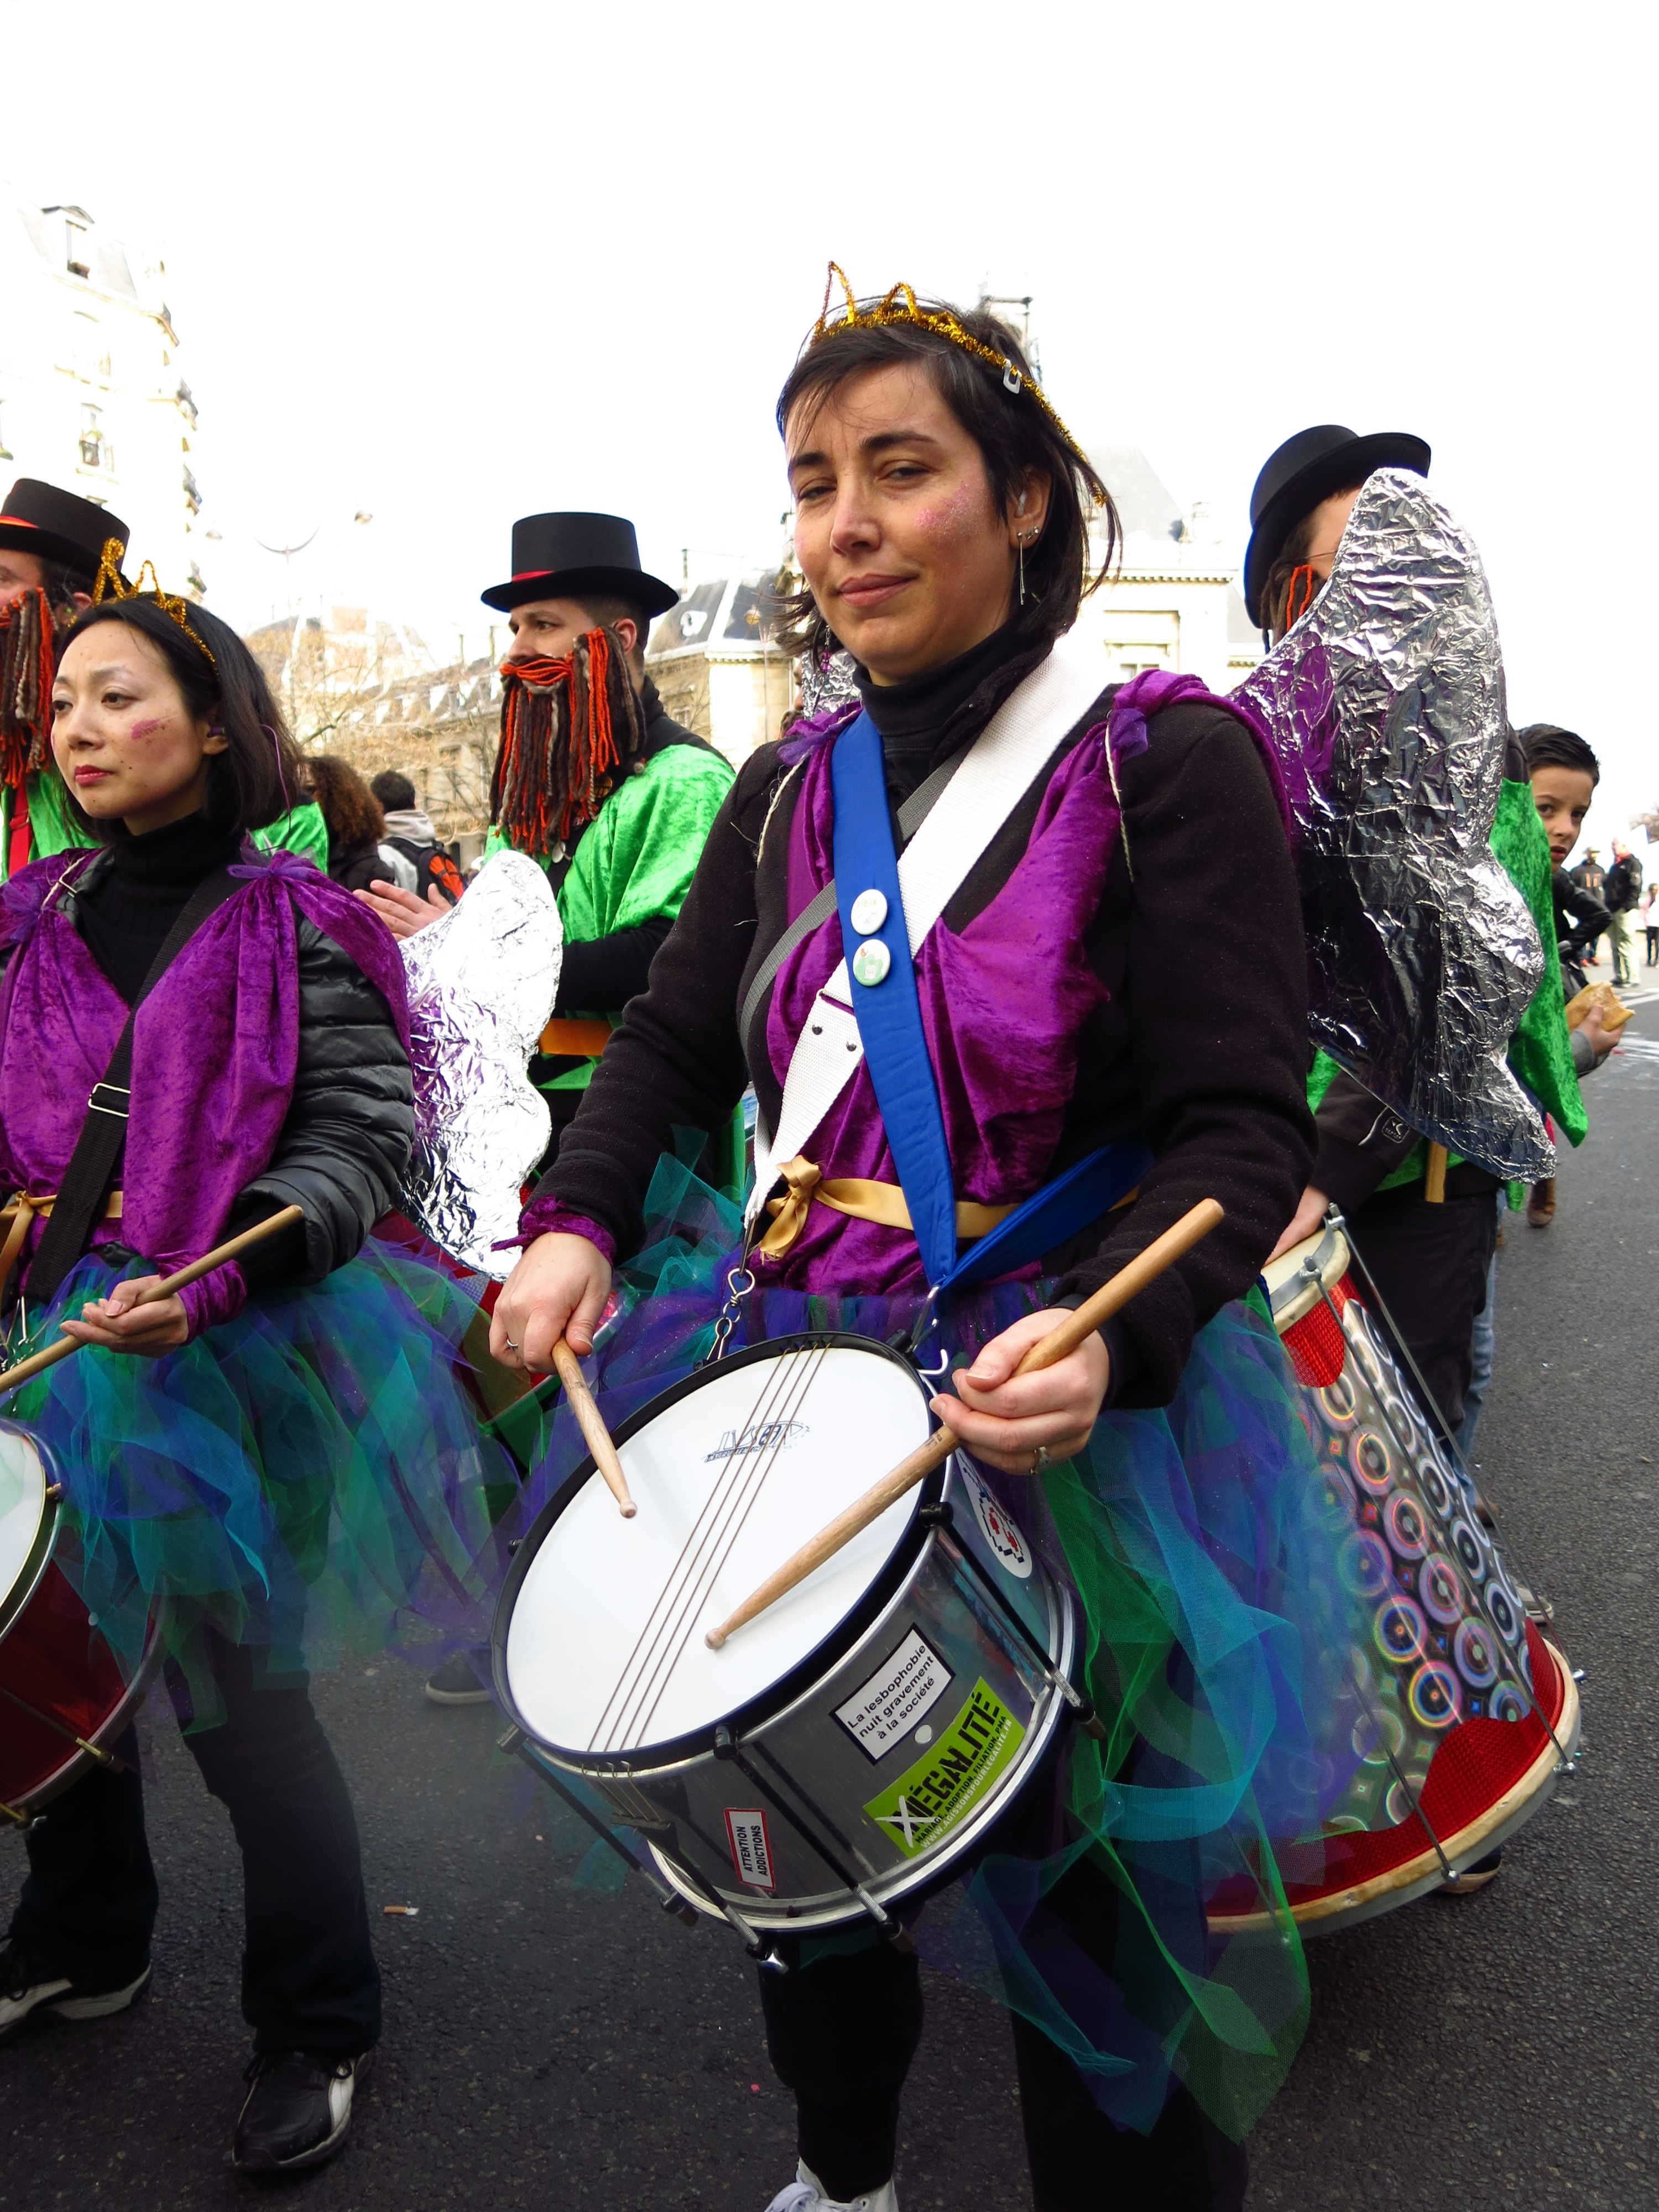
{"points": [[861, 1196], [27, 1207]]}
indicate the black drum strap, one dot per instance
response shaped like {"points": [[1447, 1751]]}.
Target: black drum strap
{"points": [[97, 1149]]}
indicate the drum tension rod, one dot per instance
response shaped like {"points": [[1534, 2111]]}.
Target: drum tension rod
{"points": [[11, 1813], [942, 1516], [726, 1747], [514, 1739]]}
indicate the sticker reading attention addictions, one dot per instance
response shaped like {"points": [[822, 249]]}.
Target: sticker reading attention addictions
{"points": [[939, 1791], [897, 1695], [752, 1848]]}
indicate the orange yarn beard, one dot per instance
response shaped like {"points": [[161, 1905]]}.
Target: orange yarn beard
{"points": [[567, 728], [26, 664]]}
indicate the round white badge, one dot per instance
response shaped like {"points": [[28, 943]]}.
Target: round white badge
{"points": [[872, 962], [869, 911]]}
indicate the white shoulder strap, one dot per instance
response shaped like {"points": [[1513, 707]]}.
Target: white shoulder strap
{"points": [[1015, 744]]}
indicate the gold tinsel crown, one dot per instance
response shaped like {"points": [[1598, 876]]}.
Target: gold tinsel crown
{"points": [[901, 306], [110, 579]]}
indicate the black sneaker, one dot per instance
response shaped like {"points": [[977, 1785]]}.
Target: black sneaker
{"points": [[297, 2110], [457, 1682], [26, 1988]]}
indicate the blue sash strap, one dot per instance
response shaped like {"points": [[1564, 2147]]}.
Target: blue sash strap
{"points": [[888, 1011]]}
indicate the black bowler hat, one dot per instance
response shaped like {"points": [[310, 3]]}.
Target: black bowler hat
{"points": [[1306, 468], [559, 556], [57, 525]]}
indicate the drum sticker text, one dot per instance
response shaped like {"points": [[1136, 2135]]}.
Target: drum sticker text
{"points": [[906, 1685], [955, 1775], [1010, 1550], [751, 1847]]}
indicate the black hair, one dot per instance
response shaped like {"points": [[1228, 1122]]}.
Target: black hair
{"points": [[394, 790], [62, 582], [259, 775], [1546, 746], [1015, 436]]}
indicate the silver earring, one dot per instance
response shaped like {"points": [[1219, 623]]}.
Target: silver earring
{"points": [[1020, 538]]}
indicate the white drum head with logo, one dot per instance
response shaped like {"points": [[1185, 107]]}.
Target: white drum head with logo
{"points": [[22, 1507], [605, 1649]]}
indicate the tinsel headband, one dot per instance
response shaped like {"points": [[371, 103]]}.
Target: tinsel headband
{"points": [[110, 579], [901, 306]]}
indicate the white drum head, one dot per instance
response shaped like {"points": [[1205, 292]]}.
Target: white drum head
{"points": [[22, 1507], [605, 1648]]}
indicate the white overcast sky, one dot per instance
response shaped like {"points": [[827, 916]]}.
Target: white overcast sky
{"points": [[449, 265]]}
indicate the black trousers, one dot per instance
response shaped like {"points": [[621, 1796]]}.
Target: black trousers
{"points": [[309, 1979], [842, 2031], [1430, 1264]]}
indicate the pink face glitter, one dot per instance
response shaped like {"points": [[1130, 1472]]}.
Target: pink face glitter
{"points": [[141, 730]]}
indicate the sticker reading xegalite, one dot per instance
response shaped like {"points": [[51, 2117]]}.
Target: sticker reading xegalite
{"points": [[953, 1776], [751, 1847]]}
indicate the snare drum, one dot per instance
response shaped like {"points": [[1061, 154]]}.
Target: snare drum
{"points": [[1463, 1712], [852, 1744], [63, 1698]]}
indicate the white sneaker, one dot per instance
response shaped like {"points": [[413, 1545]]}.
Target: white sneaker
{"points": [[23, 1992], [806, 2194]]}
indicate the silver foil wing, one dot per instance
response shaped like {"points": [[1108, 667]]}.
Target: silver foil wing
{"points": [[1385, 705], [482, 983]]}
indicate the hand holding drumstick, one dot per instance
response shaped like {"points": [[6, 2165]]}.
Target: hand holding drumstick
{"points": [[1048, 1346]]}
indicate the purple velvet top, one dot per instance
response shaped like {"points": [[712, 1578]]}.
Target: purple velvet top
{"points": [[1003, 1004], [215, 1053]]}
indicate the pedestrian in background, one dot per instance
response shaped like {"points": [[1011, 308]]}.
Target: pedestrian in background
{"points": [[1624, 889], [409, 830], [1591, 878], [357, 853], [1650, 922]]}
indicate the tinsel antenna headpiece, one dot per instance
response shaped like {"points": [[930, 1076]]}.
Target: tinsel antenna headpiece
{"points": [[901, 306], [110, 579]]}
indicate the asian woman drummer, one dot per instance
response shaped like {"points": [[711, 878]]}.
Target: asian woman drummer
{"points": [[279, 1451], [1122, 964]]}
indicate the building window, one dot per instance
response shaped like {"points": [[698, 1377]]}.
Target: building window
{"points": [[95, 449], [77, 248], [192, 493]]}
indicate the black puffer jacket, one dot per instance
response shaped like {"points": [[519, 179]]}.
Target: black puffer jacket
{"points": [[350, 1125]]}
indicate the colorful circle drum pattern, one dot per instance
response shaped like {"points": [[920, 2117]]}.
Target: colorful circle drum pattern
{"points": [[1448, 1639]]}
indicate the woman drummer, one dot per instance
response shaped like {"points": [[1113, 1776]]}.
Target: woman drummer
{"points": [[1092, 981], [278, 1449]]}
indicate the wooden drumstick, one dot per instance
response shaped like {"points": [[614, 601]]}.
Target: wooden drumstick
{"points": [[38, 1362], [1074, 1330], [580, 1398]]}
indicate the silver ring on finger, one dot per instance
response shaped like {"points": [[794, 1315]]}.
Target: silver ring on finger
{"points": [[511, 1346], [1040, 1460]]}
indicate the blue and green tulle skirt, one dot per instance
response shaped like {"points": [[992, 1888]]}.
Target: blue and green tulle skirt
{"points": [[1202, 1543], [309, 1477]]}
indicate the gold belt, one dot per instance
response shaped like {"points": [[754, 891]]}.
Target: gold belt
{"points": [[862, 1197], [24, 1209]]}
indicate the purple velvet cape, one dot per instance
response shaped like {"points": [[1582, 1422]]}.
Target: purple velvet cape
{"points": [[215, 1052], [1003, 1003]]}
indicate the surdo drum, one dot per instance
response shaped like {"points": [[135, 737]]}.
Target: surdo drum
{"points": [[63, 1698], [1462, 1711], [852, 1744]]}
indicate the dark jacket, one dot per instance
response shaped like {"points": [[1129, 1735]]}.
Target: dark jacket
{"points": [[1200, 1047], [358, 865], [1580, 916], [1623, 887]]}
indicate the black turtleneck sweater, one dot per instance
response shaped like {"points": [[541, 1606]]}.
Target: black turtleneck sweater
{"points": [[140, 890], [912, 717]]}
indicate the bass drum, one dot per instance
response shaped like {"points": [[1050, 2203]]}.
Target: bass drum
{"points": [[854, 1741], [1464, 1711], [63, 1698]]}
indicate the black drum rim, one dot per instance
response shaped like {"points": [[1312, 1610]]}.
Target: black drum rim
{"points": [[812, 1666]]}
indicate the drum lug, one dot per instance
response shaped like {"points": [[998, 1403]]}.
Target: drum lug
{"points": [[509, 1739], [55, 1492]]}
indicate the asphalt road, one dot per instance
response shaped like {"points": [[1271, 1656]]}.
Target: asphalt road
{"points": [[551, 2044]]}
